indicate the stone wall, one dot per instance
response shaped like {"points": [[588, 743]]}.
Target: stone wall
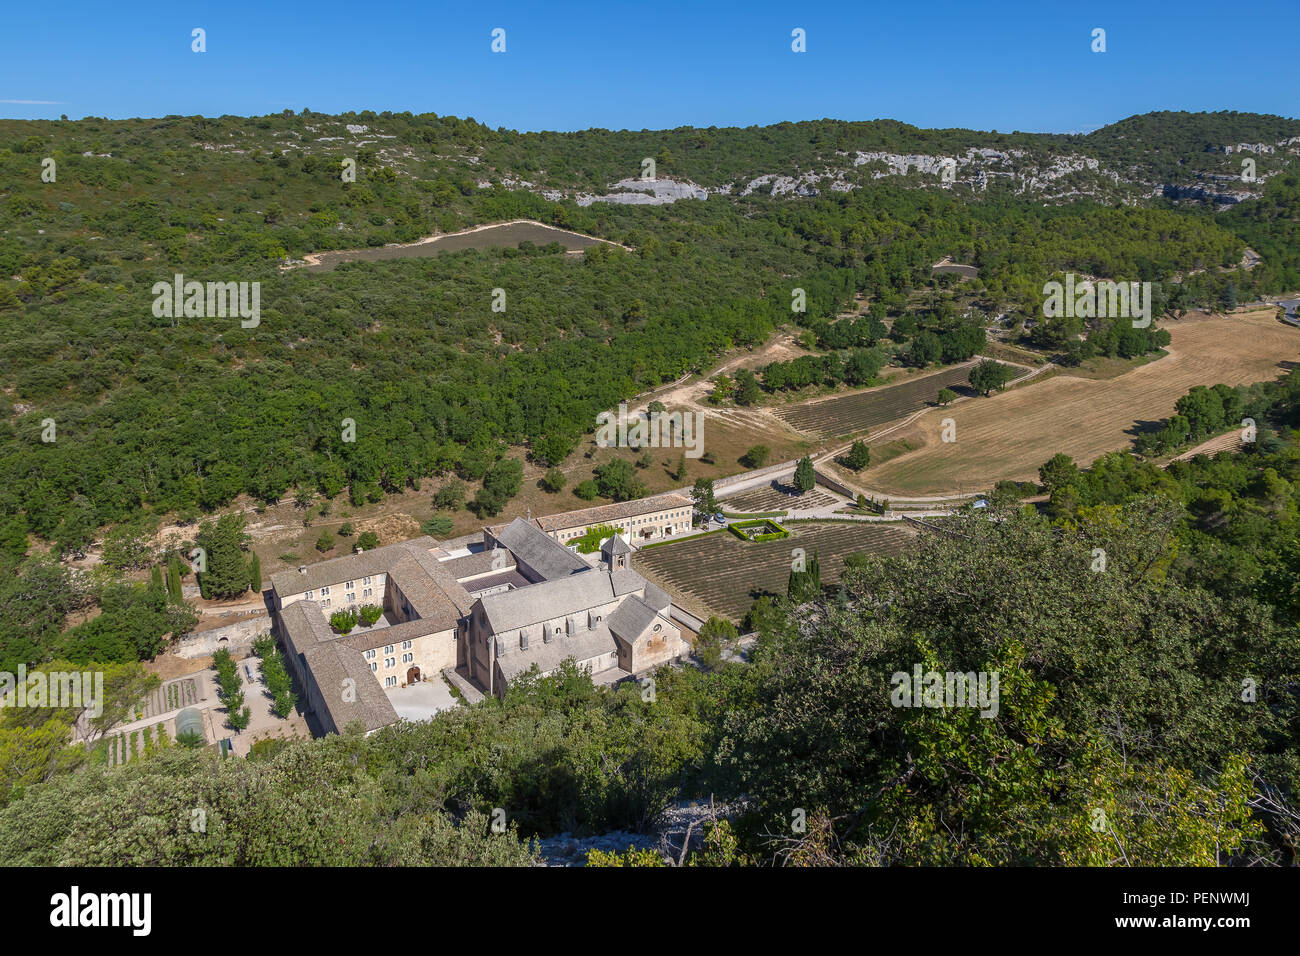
{"points": [[235, 636]]}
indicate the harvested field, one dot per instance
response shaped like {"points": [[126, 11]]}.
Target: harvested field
{"points": [[720, 574], [775, 498], [850, 414], [1008, 435]]}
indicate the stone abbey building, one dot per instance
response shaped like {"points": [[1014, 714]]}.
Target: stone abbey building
{"points": [[483, 613]]}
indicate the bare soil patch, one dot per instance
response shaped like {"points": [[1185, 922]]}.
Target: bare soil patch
{"points": [[1008, 435]]}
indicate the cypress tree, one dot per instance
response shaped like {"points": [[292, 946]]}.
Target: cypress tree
{"points": [[174, 579], [255, 574]]}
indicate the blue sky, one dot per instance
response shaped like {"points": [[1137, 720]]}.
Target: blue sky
{"points": [[1021, 64]]}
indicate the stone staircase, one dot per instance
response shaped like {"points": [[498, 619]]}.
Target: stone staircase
{"points": [[462, 683]]}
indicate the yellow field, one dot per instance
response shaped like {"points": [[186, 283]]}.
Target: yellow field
{"points": [[1008, 435]]}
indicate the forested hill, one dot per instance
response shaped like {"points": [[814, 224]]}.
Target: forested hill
{"points": [[181, 414], [1132, 160]]}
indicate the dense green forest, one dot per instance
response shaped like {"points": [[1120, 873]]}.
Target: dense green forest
{"points": [[1147, 715], [114, 417]]}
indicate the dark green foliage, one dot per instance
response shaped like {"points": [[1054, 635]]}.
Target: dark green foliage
{"points": [[554, 480], [805, 476], [224, 542], [988, 375], [617, 479], [859, 456], [805, 583], [702, 495], [438, 526], [713, 636]]}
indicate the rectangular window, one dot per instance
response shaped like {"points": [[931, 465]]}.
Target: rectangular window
{"points": [[366, 593], [373, 668], [310, 595], [370, 655], [348, 586], [324, 591], [365, 580], [325, 603], [388, 649]]}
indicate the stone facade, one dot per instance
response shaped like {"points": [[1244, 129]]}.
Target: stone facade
{"points": [[520, 600]]}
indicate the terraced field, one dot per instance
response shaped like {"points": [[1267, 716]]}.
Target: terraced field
{"points": [[723, 575], [850, 414], [775, 498]]}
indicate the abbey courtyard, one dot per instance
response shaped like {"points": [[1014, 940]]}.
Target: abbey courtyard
{"points": [[477, 612]]}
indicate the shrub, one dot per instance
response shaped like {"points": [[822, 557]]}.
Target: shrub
{"points": [[554, 480], [437, 527]]}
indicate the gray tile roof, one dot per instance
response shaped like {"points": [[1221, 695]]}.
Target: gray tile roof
{"points": [[431, 588], [333, 663], [547, 600], [615, 545], [657, 598], [539, 551], [470, 565], [632, 619], [581, 647]]}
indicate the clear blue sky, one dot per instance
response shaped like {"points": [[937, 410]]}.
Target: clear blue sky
{"points": [[1021, 64]]}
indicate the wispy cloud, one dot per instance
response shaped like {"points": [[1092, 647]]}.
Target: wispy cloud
{"points": [[34, 102]]}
